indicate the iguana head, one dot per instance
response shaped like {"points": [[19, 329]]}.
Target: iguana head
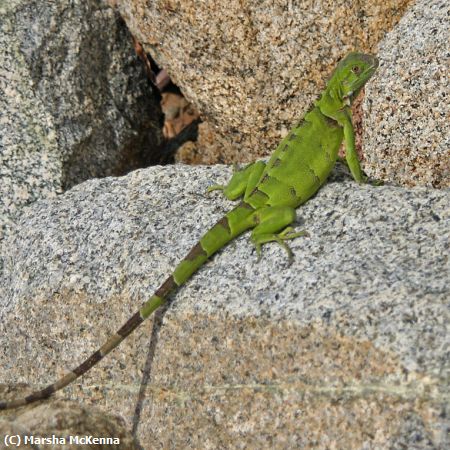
{"points": [[352, 73]]}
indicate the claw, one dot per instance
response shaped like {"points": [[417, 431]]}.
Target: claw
{"points": [[375, 182], [286, 247], [286, 234], [258, 252], [371, 181], [280, 239], [365, 179], [215, 187]]}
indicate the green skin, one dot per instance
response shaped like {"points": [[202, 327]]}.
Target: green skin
{"points": [[297, 169]]}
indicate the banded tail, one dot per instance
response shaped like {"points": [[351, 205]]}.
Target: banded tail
{"points": [[231, 225]]}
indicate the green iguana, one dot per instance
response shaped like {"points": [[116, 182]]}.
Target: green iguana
{"points": [[271, 192]]}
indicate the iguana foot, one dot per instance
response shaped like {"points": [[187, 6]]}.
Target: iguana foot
{"points": [[280, 238], [221, 187], [371, 181], [375, 182]]}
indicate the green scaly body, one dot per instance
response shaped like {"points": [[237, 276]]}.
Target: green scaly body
{"points": [[271, 192]]}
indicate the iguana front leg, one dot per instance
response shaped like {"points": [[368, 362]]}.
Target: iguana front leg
{"points": [[344, 117], [351, 157]]}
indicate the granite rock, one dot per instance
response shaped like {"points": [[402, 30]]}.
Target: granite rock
{"points": [[406, 123], [64, 424], [74, 98], [253, 68], [347, 347]]}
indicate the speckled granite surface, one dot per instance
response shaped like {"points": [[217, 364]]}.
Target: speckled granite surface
{"points": [[252, 68], [407, 107], [75, 102], [345, 348], [66, 425]]}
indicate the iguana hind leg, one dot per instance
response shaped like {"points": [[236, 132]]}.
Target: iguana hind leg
{"points": [[273, 226], [240, 181]]}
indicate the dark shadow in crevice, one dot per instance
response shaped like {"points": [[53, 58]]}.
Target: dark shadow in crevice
{"points": [[165, 153]]}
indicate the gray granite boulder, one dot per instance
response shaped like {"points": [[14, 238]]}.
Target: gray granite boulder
{"points": [[406, 124], [74, 99], [347, 347], [252, 68], [64, 424]]}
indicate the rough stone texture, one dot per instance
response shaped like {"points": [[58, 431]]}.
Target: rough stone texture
{"points": [[252, 68], [345, 348], [74, 99], [407, 126], [63, 419]]}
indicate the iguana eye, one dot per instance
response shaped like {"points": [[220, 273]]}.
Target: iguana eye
{"points": [[356, 70]]}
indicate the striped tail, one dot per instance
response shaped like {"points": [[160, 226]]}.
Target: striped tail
{"points": [[231, 225]]}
